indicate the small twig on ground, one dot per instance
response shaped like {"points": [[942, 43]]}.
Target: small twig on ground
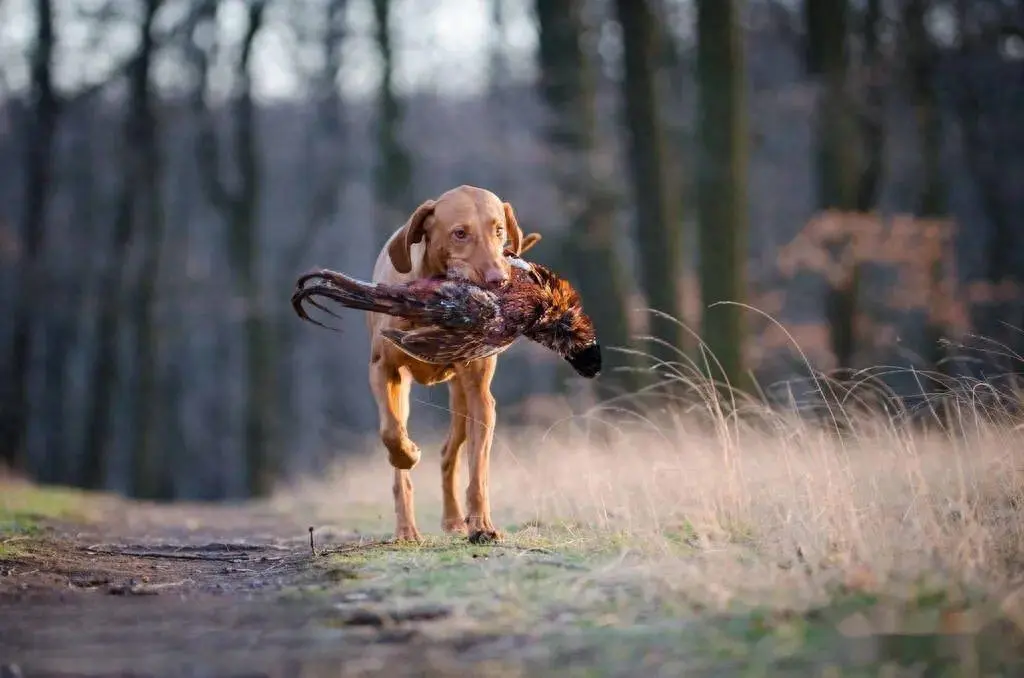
{"points": [[523, 549], [137, 589], [354, 547], [311, 546]]}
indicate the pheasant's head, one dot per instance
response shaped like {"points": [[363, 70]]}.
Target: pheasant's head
{"points": [[565, 326], [587, 360], [574, 331]]}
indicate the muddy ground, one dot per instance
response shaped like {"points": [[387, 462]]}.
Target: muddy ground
{"points": [[98, 586]]}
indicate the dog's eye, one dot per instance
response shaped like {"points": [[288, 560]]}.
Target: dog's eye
{"points": [[459, 234]]}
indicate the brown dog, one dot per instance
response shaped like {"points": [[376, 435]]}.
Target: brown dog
{"points": [[463, 233]]}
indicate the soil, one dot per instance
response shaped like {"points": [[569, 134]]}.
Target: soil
{"points": [[202, 591], [185, 590]]}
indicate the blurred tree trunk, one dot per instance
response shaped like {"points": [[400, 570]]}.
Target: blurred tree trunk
{"points": [[261, 457], [837, 166], [722, 184], [393, 172], [655, 189], [872, 118], [497, 96], [133, 213], [104, 372], [931, 202], [981, 153], [921, 62], [239, 207], [152, 478], [39, 152], [139, 218], [590, 249], [65, 330], [328, 131]]}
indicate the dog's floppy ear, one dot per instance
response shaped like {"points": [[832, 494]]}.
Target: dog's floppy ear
{"points": [[400, 249], [529, 241], [515, 234]]}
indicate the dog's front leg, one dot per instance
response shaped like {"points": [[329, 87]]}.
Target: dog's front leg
{"points": [[481, 414], [391, 391]]}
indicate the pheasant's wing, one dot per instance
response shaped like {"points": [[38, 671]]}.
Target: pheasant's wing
{"points": [[441, 346]]}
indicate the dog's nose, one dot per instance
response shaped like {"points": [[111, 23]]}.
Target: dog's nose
{"points": [[495, 275]]}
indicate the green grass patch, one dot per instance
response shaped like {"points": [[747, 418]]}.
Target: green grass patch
{"points": [[24, 508], [9, 549]]}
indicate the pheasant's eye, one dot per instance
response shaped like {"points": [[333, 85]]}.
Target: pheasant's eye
{"points": [[459, 234]]}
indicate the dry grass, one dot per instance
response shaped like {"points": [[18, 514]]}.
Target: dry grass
{"points": [[721, 533], [753, 512], [732, 503]]}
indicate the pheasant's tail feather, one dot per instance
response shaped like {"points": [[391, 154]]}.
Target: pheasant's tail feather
{"points": [[305, 294], [347, 291], [424, 302], [358, 295], [441, 346]]}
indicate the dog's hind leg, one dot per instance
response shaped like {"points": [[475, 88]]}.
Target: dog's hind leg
{"points": [[475, 378], [453, 521]]}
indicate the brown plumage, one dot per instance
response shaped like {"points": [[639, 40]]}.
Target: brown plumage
{"points": [[458, 321]]}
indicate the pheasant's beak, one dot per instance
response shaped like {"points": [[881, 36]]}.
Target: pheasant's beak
{"points": [[587, 361], [518, 263]]}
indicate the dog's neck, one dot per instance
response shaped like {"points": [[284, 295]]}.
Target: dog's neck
{"points": [[430, 263]]}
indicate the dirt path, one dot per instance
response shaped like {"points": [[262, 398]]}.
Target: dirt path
{"points": [[141, 590]]}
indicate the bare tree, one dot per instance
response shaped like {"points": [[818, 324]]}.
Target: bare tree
{"points": [[921, 61], [238, 206], [138, 217], [151, 478], [985, 151], [872, 112], [393, 172], [655, 189], [64, 324], [327, 30], [497, 83], [722, 183], [591, 247], [39, 153], [837, 163]]}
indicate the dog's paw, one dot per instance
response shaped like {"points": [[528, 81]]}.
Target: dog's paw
{"points": [[408, 533], [484, 537], [455, 526], [402, 453], [481, 531]]}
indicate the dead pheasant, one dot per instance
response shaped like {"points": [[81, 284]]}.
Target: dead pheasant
{"points": [[458, 321]]}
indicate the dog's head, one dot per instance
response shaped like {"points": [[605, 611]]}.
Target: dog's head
{"points": [[465, 233]]}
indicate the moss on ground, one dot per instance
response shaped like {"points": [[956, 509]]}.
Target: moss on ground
{"points": [[25, 510]]}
